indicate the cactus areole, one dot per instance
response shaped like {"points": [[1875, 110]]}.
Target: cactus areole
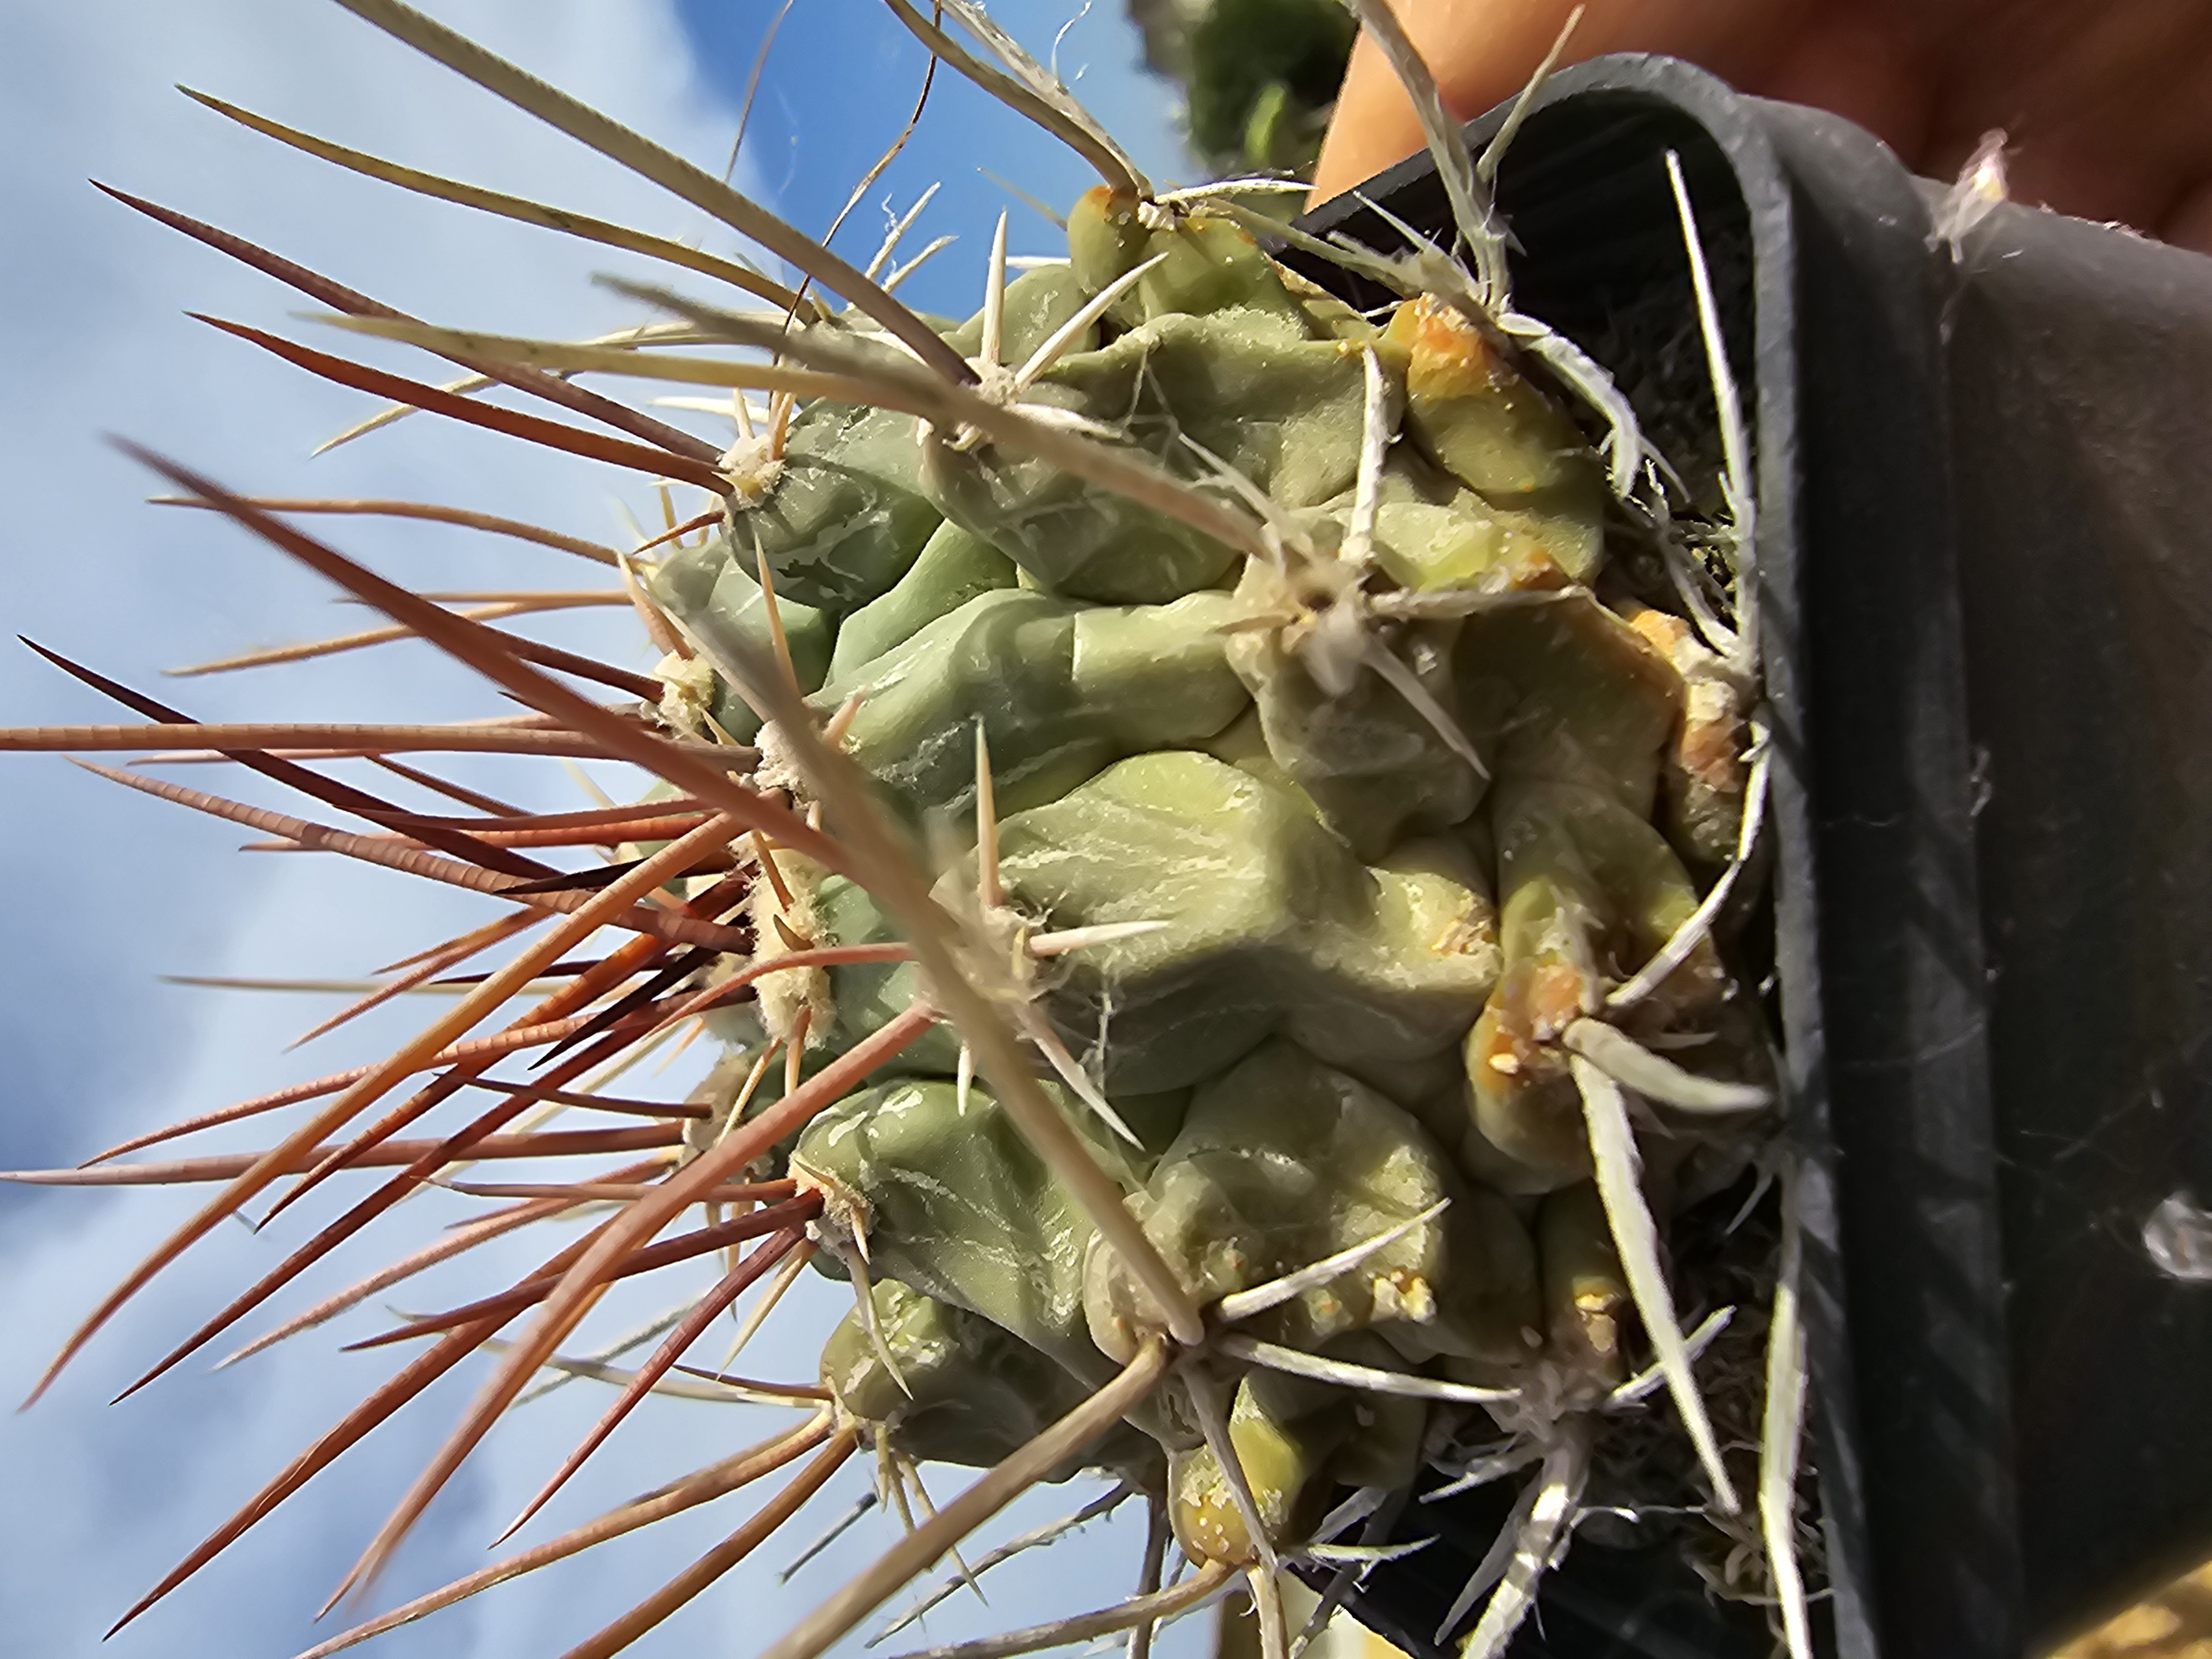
{"points": [[1208, 825]]}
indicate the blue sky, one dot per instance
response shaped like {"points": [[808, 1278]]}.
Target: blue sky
{"points": [[841, 85], [108, 890]]}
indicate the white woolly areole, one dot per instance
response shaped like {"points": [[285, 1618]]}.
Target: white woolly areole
{"points": [[687, 692], [752, 467], [842, 1229], [785, 994], [777, 769]]}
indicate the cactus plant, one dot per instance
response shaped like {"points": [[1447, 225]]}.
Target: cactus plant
{"points": [[1188, 834], [1259, 76]]}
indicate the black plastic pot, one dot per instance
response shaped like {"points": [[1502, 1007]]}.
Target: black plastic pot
{"points": [[1984, 542]]}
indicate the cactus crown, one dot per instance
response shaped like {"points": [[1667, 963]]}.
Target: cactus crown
{"points": [[1189, 830]]}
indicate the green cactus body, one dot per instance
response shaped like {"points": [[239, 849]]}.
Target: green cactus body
{"points": [[1373, 766], [715, 597], [1294, 1439], [1067, 537], [846, 512], [1283, 1161], [1283, 1430], [1061, 691], [956, 1206], [1039, 303], [1273, 926], [843, 512], [1209, 266], [1201, 378], [1587, 885], [1362, 924], [958, 1389], [952, 568], [1434, 534], [1491, 429], [1586, 1300]]}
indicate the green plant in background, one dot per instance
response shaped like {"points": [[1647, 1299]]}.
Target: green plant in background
{"points": [[1259, 76], [1193, 810]]}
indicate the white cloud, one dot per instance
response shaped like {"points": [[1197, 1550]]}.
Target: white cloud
{"points": [[106, 889]]}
